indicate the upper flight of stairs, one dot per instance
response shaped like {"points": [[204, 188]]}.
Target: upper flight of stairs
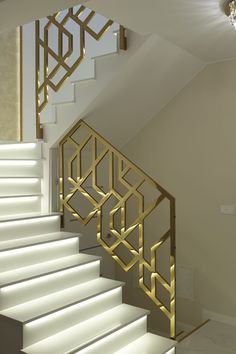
{"points": [[52, 298]]}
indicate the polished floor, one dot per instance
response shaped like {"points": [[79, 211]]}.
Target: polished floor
{"points": [[213, 338]]}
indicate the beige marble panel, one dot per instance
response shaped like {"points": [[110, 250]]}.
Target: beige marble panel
{"points": [[9, 85]]}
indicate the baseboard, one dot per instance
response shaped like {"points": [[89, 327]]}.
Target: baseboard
{"points": [[214, 316]]}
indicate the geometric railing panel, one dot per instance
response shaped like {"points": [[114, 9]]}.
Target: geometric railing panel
{"points": [[57, 59], [115, 183]]}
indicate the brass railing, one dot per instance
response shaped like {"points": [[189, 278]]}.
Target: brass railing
{"points": [[55, 77], [86, 158]]}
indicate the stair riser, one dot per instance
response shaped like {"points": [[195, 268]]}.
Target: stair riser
{"points": [[49, 325], [117, 340], [27, 228], [21, 169], [27, 256], [16, 206], [26, 291], [21, 151], [20, 186]]}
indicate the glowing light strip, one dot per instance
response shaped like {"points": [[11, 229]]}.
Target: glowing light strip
{"points": [[48, 277], [14, 200], [19, 180], [36, 248], [25, 146], [112, 336], [67, 310], [18, 162], [29, 221]]}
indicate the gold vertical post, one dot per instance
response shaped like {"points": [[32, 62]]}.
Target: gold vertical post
{"points": [[21, 84], [173, 269], [123, 38], [61, 184], [37, 95]]}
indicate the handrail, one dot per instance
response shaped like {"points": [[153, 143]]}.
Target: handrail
{"points": [[119, 167], [44, 77]]}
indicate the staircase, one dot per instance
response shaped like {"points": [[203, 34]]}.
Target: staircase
{"points": [[52, 298]]}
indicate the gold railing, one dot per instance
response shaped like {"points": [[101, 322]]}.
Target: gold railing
{"points": [[92, 168], [54, 77]]}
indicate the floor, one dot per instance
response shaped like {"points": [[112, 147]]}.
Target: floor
{"points": [[213, 338]]}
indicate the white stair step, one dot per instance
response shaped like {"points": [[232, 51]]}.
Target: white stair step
{"points": [[21, 204], [21, 168], [107, 45], [13, 228], [65, 95], [89, 333], [86, 71], [148, 344], [20, 186], [16, 258], [45, 305], [86, 269], [30, 272], [20, 151], [51, 314], [38, 239]]}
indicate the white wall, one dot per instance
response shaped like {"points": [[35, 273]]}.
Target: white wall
{"points": [[190, 149]]}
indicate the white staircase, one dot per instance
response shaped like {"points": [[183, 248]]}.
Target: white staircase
{"points": [[52, 298]]}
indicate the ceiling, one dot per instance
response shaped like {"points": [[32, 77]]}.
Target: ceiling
{"points": [[198, 26]]}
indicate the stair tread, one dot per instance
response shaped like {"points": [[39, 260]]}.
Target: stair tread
{"points": [[148, 344], [7, 196], [45, 305], [37, 239], [84, 334], [27, 216], [41, 269]]}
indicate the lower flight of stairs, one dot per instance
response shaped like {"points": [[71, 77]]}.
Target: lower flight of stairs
{"points": [[52, 298]]}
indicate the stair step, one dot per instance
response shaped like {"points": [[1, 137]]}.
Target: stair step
{"points": [[24, 256], [46, 305], [36, 240], [86, 269], [33, 224], [20, 186], [149, 344], [90, 334], [21, 204], [21, 168], [20, 151], [48, 315]]}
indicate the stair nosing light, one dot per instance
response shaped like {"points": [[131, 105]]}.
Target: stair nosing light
{"points": [[40, 243], [106, 335], [6, 287], [114, 287]]}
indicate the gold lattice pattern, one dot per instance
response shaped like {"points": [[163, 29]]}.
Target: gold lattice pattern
{"points": [[118, 168], [55, 62]]}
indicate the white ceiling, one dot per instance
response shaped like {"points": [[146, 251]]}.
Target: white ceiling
{"points": [[198, 26]]}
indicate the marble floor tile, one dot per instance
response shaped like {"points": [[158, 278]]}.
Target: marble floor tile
{"points": [[213, 338]]}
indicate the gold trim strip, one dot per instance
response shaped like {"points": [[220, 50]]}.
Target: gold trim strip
{"points": [[21, 83], [194, 330]]}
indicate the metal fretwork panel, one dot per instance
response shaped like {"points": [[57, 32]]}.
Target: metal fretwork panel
{"points": [[58, 59], [118, 193]]}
